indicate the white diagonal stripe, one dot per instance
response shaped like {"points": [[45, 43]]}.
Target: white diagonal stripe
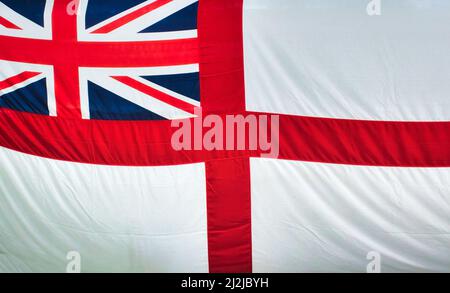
{"points": [[167, 91], [136, 97], [28, 29]]}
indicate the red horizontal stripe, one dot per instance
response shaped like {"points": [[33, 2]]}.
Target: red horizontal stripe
{"points": [[362, 142], [140, 143], [21, 77], [163, 97], [6, 23], [113, 54], [126, 143], [130, 17]]}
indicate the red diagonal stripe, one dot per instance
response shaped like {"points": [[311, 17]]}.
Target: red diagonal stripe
{"points": [[6, 23], [130, 17], [21, 77], [163, 97]]}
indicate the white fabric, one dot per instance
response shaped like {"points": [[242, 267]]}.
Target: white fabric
{"points": [[313, 217], [330, 58], [324, 58], [120, 219]]}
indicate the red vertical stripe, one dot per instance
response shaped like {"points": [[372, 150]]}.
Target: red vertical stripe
{"points": [[229, 215], [221, 61], [228, 180], [66, 73]]}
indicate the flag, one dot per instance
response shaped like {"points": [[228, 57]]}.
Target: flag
{"points": [[90, 92]]}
